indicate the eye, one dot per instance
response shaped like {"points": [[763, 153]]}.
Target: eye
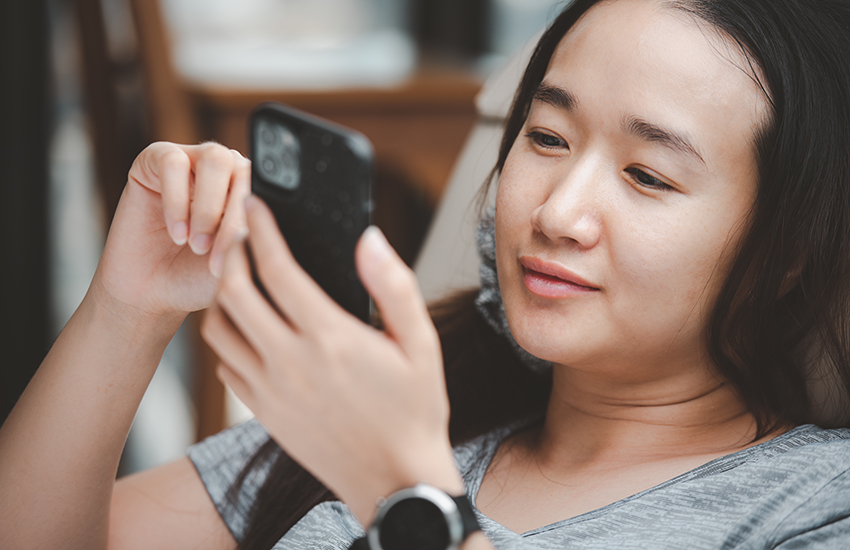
{"points": [[546, 141], [645, 180]]}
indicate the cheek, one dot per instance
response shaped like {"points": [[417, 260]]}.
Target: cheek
{"points": [[515, 201], [672, 270]]}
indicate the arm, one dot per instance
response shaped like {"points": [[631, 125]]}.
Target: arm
{"points": [[61, 444], [166, 507], [364, 410]]}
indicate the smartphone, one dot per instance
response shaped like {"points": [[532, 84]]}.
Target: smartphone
{"points": [[316, 176]]}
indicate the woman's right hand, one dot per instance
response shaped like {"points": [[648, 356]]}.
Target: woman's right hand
{"points": [[178, 214], [62, 443]]}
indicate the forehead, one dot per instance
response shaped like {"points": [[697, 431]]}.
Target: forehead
{"points": [[644, 58]]}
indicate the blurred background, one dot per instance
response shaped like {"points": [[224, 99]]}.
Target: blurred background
{"points": [[86, 84]]}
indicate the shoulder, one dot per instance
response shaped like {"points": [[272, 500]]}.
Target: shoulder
{"points": [[807, 451], [792, 468], [802, 480]]}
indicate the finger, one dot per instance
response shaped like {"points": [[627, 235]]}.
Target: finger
{"points": [[233, 226], [396, 292], [296, 294], [213, 169], [166, 168], [229, 344], [248, 310], [240, 388]]}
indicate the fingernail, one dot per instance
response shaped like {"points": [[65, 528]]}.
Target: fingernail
{"points": [[200, 244], [377, 245], [179, 233]]}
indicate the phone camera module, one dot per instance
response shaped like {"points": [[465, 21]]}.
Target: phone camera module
{"points": [[279, 154], [268, 137]]}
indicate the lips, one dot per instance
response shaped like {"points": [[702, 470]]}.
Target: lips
{"points": [[551, 280]]}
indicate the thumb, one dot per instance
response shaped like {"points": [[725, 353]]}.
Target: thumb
{"points": [[396, 292]]}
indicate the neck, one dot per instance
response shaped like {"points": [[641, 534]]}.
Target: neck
{"points": [[592, 419]]}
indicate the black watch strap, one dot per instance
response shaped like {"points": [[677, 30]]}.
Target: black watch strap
{"points": [[467, 513]]}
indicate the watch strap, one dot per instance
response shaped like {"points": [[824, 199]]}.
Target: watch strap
{"points": [[467, 514]]}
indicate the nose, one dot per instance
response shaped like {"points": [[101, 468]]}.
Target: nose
{"points": [[572, 211]]}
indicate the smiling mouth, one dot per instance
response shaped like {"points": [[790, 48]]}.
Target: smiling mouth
{"points": [[552, 281]]}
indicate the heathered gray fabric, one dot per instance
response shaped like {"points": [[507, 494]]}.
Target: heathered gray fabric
{"points": [[790, 493], [489, 300]]}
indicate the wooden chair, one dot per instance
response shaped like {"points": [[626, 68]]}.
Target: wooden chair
{"points": [[111, 94]]}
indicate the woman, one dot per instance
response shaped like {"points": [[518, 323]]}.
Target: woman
{"points": [[671, 236]]}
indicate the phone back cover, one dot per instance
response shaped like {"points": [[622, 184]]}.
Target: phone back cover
{"points": [[323, 218]]}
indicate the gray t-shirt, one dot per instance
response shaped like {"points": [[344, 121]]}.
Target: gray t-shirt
{"points": [[791, 492]]}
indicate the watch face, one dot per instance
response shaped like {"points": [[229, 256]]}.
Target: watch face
{"points": [[414, 524]]}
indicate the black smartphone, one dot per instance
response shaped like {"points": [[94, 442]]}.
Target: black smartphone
{"points": [[316, 176]]}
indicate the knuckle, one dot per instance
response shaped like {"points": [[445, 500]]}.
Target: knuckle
{"points": [[172, 158], [239, 158], [241, 165], [244, 166], [231, 227], [215, 156], [159, 147]]}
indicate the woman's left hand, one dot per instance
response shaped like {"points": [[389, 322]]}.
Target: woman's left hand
{"points": [[364, 410]]}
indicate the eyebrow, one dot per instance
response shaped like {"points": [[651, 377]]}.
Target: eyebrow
{"points": [[557, 97], [636, 126], [655, 134]]}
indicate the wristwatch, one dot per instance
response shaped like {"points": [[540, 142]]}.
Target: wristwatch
{"points": [[420, 518]]}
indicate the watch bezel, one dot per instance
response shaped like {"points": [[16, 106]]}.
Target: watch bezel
{"points": [[438, 498]]}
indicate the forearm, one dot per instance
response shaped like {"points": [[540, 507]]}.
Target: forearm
{"points": [[478, 541], [61, 445]]}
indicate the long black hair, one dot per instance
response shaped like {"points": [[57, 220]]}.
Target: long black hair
{"points": [[786, 302]]}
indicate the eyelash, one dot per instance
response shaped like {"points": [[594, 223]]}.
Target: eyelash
{"points": [[638, 176], [539, 137], [645, 180]]}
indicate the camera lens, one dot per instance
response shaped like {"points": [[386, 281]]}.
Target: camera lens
{"points": [[268, 134], [269, 166], [278, 153]]}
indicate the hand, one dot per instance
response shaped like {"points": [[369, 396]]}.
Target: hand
{"points": [[180, 210], [365, 411]]}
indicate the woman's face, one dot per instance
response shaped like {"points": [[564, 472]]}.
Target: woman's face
{"points": [[623, 200]]}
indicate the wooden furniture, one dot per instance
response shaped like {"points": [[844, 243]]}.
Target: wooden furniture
{"points": [[417, 127]]}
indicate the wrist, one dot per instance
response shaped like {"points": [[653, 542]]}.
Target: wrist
{"points": [[126, 322], [436, 469]]}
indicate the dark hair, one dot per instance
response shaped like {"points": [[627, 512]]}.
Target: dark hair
{"points": [[786, 300]]}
